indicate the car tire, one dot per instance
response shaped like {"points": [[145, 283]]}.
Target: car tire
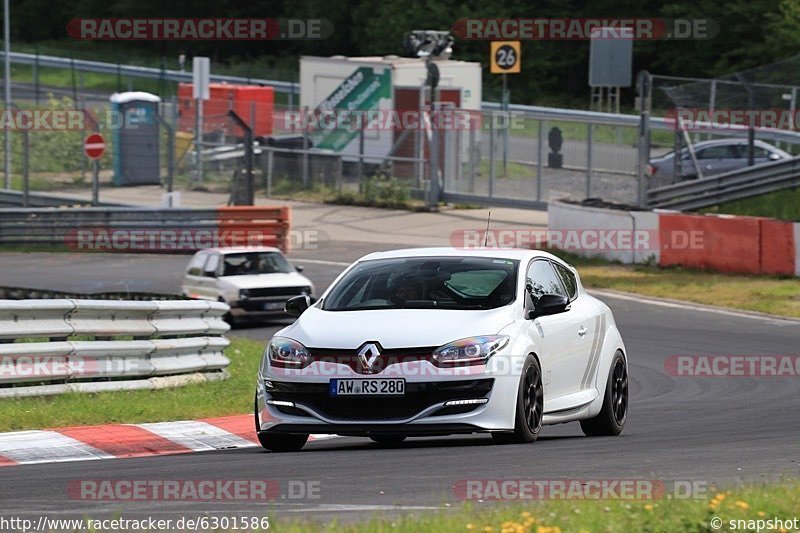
{"points": [[388, 440], [530, 406], [282, 442], [278, 442], [612, 416], [228, 317]]}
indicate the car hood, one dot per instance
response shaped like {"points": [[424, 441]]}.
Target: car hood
{"points": [[255, 281], [394, 328]]}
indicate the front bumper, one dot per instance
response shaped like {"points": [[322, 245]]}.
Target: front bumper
{"points": [[421, 411], [256, 307]]}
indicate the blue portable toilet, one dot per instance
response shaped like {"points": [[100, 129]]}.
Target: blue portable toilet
{"points": [[136, 138]]}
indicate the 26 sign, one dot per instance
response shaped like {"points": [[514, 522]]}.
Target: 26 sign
{"points": [[505, 57]]}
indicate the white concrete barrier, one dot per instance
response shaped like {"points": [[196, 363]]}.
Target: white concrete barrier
{"points": [[796, 248]]}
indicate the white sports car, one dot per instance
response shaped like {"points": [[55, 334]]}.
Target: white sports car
{"points": [[442, 341]]}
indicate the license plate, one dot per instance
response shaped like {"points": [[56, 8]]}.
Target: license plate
{"points": [[271, 306], [367, 387]]}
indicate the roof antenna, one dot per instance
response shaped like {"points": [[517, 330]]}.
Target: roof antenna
{"points": [[488, 221]]}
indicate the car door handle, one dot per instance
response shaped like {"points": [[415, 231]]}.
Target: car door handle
{"points": [[582, 331]]}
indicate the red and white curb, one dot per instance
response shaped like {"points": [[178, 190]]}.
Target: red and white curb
{"points": [[113, 441]]}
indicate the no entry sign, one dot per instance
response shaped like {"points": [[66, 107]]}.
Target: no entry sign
{"points": [[94, 146]]}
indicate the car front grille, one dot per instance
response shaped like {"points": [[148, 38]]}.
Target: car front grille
{"points": [[268, 292], [418, 397]]}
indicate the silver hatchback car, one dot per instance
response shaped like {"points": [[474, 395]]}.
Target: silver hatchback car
{"points": [[713, 157]]}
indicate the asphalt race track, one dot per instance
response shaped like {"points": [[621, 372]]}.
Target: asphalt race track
{"points": [[719, 429]]}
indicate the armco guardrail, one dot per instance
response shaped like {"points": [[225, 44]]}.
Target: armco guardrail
{"points": [[125, 229], [33, 293], [621, 119], [140, 72], [714, 190], [132, 345]]}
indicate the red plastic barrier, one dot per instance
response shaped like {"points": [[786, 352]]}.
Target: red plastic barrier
{"points": [[726, 244], [777, 247], [268, 226], [748, 245]]}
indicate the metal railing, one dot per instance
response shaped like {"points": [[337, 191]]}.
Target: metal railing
{"points": [[145, 229], [621, 119], [735, 185], [54, 346], [140, 72]]}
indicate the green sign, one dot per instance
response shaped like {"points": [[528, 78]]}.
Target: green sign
{"points": [[361, 91]]}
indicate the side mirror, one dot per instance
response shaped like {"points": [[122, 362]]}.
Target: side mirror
{"points": [[297, 305], [774, 157], [210, 273], [299, 268], [547, 304]]}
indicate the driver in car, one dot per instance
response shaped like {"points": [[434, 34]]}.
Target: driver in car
{"points": [[404, 290]]}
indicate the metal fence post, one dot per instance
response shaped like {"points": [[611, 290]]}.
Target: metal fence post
{"points": [[26, 186], [305, 150], [434, 191], [539, 159], [198, 140], [492, 135], [472, 159], [589, 160], [643, 159], [170, 152], [36, 77], [249, 198], [361, 126], [270, 162]]}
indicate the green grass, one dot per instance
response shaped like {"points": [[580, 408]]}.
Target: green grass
{"points": [[750, 502], [783, 205], [232, 396], [764, 294]]}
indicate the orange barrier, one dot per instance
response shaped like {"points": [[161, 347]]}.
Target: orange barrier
{"points": [[727, 244], [777, 249], [748, 245], [267, 226]]}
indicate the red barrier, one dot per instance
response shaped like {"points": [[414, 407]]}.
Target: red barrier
{"points": [[777, 247], [269, 225], [726, 244], [748, 245]]}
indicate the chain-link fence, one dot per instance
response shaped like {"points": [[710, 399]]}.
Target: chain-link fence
{"points": [[726, 123], [521, 156]]}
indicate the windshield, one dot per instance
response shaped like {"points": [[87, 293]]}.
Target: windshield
{"points": [[255, 263], [426, 283]]}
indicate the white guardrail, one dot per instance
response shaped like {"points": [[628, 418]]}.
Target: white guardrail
{"points": [[51, 347]]}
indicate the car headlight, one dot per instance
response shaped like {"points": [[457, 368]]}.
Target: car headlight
{"points": [[472, 350], [287, 353], [244, 294]]}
